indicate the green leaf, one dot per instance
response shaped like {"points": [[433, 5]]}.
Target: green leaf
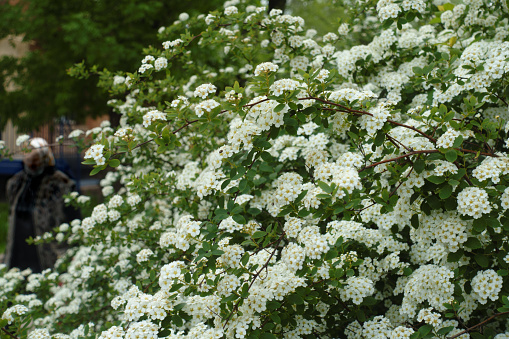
{"points": [[295, 299], [275, 317], [267, 335], [259, 234], [435, 179], [114, 162], [239, 219], [473, 243], [445, 192], [379, 139], [451, 155], [482, 260], [326, 188], [419, 165], [424, 330], [445, 330], [273, 305], [479, 225]]}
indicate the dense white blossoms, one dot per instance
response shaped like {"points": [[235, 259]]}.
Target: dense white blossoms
{"points": [[10, 313], [152, 116], [486, 285], [96, 152], [284, 85], [447, 139], [205, 106], [174, 43], [473, 201], [160, 63], [265, 67], [289, 211], [20, 140], [204, 90]]}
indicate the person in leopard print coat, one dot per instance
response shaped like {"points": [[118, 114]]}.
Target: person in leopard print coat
{"points": [[36, 199]]}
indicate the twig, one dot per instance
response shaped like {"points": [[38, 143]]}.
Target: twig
{"points": [[9, 333], [475, 326]]}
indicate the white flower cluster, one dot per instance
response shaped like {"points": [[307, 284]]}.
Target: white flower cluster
{"points": [[265, 67], [473, 201], [152, 116], [492, 168], [446, 140], [174, 43], [11, 311], [96, 152], [356, 289], [144, 255], [429, 283], [160, 63], [205, 106], [349, 95], [204, 90], [39, 333], [431, 318], [284, 85], [20, 140], [486, 284]]}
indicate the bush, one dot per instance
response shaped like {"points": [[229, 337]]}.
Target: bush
{"points": [[293, 189]]}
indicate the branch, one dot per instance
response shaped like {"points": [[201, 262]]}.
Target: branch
{"points": [[425, 151], [9, 333], [370, 114], [475, 326], [257, 274]]}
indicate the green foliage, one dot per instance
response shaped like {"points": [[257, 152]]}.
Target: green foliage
{"points": [[108, 34]]}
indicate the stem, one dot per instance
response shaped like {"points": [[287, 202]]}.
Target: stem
{"points": [[475, 326], [9, 333], [257, 274]]}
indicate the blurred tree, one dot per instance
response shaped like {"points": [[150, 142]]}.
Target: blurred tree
{"points": [[322, 15], [61, 33]]}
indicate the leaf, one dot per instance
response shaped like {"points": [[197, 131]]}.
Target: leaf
{"points": [[239, 219], [482, 260], [473, 243], [326, 188], [379, 139], [451, 155], [419, 165], [275, 317], [445, 192], [259, 234], [295, 299], [114, 163], [479, 225], [445, 330], [435, 179]]}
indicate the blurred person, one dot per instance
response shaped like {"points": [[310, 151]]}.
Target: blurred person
{"points": [[36, 199]]}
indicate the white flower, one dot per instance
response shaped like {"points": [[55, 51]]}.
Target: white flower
{"points": [[76, 133], [22, 139], [204, 90], [205, 106]]}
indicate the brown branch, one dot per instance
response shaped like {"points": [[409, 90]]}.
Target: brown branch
{"points": [[370, 114], [9, 333], [255, 276], [480, 324]]}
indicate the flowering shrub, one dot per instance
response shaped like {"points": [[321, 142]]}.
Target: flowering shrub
{"points": [[302, 188]]}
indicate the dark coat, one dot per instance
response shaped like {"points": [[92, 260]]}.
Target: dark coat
{"points": [[47, 211]]}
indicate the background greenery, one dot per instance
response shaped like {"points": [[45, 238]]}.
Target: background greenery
{"points": [[106, 33]]}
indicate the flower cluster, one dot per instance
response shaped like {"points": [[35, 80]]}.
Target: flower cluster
{"points": [[96, 152]]}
